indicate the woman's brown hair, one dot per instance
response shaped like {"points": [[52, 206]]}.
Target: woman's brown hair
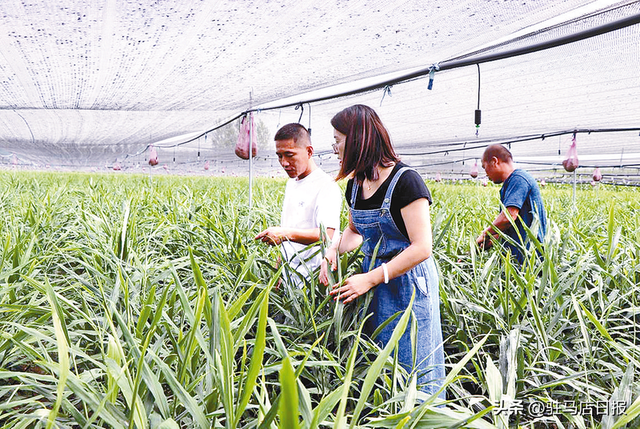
{"points": [[368, 144]]}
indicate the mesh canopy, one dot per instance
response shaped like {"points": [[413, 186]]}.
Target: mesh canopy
{"points": [[94, 83]]}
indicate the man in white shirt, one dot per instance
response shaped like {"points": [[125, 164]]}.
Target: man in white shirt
{"points": [[311, 199]]}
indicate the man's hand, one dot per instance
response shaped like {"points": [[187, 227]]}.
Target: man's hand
{"points": [[502, 222], [273, 235], [484, 240], [328, 264]]}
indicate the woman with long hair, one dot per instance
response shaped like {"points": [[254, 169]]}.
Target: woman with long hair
{"points": [[388, 209]]}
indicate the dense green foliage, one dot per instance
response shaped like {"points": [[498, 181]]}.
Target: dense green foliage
{"points": [[133, 301]]}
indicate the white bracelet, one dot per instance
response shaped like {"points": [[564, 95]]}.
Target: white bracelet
{"points": [[386, 273]]}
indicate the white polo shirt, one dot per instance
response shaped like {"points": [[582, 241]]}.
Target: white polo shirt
{"points": [[308, 203]]}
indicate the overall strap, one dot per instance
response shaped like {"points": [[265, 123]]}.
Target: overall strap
{"points": [[354, 193], [386, 203]]}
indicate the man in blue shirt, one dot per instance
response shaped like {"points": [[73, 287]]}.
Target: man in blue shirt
{"points": [[521, 198]]}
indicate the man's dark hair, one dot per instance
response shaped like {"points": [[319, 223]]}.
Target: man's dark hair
{"points": [[499, 151], [295, 132]]}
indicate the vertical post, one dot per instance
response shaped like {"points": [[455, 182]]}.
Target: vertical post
{"points": [[250, 151], [575, 175]]}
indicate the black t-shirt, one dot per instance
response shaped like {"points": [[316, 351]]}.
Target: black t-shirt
{"points": [[409, 188]]}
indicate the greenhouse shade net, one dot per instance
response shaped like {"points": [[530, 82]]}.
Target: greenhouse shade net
{"points": [[94, 85]]}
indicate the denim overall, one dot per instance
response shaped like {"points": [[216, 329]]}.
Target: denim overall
{"points": [[378, 225]]}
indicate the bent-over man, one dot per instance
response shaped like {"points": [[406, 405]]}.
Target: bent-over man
{"points": [[520, 195]]}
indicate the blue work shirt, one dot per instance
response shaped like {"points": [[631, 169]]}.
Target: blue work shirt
{"points": [[520, 190]]}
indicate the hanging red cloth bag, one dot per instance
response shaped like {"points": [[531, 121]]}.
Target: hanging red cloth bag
{"points": [[153, 156], [474, 170], [597, 175], [571, 163], [246, 138]]}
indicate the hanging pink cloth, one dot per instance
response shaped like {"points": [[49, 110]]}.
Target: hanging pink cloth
{"points": [[597, 175], [571, 162], [247, 138], [153, 156], [474, 170], [206, 164]]}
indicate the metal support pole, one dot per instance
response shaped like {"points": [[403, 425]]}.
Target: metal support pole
{"points": [[250, 161], [250, 152], [575, 178]]}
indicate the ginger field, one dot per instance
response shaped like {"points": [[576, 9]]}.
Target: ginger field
{"points": [[144, 302]]}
